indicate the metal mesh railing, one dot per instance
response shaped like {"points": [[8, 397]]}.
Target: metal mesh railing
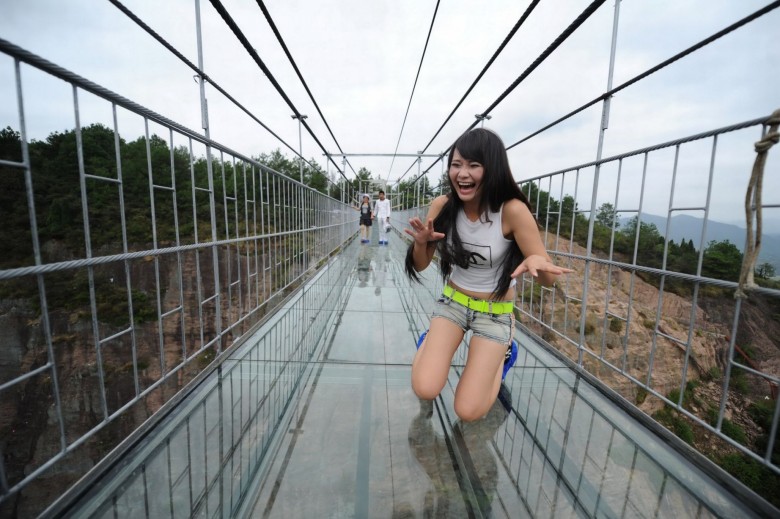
{"points": [[649, 316], [563, 431], [131, 265], [652, 318], [204, 460]]}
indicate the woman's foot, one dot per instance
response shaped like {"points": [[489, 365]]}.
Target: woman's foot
{"points": [[421, 339], [510, 358]]}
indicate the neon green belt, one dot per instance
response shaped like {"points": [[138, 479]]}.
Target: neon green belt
{"points": [[480, 305]]}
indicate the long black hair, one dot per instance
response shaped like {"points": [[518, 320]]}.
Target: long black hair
{"points": [[498, 186]]}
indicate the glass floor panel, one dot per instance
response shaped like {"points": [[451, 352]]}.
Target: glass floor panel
{"points": [[295, 427], [361, 444]]}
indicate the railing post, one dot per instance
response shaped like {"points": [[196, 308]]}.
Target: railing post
{"points": [[210, 172], [300, 118], [597, 169], [441, 179], [417, 186], [301, 190], [344, 168], [327, 174]]}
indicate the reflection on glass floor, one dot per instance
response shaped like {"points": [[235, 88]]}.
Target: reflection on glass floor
{"points": [[314, 417]]}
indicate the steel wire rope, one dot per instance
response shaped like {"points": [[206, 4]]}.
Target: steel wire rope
{"points": [[205, 77], [414, 87], [573, 26], [493, 58], [736, 25], [300, 76], [245, 43]]}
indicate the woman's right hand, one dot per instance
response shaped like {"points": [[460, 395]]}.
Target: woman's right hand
{"points": [[423, 233]]}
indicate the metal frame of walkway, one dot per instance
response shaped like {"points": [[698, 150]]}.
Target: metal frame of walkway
{"points": [[326, 422], [230, 242]]}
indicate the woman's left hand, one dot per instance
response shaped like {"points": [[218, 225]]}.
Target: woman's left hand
{"points": [[536, 263]]}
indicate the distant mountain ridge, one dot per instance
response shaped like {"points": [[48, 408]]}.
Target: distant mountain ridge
{"points": [[688, 227]]}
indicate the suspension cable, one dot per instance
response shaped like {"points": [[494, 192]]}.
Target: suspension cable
{"points": [[38, 62], [656, 68], [202, 75], [414, 86], [582, 18], [248, 46], [495, 55], [498, 51], [298, 72], [573, 26]]}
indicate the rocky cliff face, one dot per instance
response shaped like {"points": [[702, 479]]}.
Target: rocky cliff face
{"points": [[635, 327], [30, 433]]}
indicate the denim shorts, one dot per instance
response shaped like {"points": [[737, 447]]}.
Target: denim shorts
{"points": [[494, 327]]}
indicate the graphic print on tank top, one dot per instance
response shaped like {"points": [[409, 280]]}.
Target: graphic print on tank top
{"points": [[480, 256]]}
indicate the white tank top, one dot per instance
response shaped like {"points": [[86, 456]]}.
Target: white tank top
{"points": [[487, 247]]}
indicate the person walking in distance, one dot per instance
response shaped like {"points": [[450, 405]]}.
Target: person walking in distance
{"points": [[486, 236], [365, 219], [382, 214]]}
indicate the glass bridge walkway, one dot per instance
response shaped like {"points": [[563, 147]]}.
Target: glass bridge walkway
{"points": [[338, 432]]}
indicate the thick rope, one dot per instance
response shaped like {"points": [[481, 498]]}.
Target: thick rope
{"points": [[753, 200]]}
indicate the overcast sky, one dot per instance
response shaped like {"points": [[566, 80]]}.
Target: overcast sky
{"points": [[360, 58]]}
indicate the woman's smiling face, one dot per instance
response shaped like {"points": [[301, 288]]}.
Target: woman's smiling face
{"points": [[466, 176]]}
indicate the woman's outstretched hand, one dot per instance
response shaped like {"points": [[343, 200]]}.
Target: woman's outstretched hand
{"points": [[423, 232], [536, 263]]}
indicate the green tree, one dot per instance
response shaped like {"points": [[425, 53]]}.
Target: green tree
{"points": [[410, 193], [607, 215], [765, 270], [10, 144], [362, 181], [569, 213], [682, 258], [337, 186], [405, 193], [722, 260], [279, 162], [443, 184], [426, 191], [16, 236], [315, 177], [650, 246], [545, 207]]}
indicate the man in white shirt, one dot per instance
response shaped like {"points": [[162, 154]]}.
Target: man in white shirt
{"points": [[382, 215]]}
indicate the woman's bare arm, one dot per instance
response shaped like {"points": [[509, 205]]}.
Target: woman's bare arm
{"points": [[522, 225], [425, 237]]}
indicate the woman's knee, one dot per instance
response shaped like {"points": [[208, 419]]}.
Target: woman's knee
{"points": [[468, 410], [426, 389]]}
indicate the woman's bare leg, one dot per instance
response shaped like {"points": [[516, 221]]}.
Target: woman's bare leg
{"points": [[481, 379], [431, 364]]}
